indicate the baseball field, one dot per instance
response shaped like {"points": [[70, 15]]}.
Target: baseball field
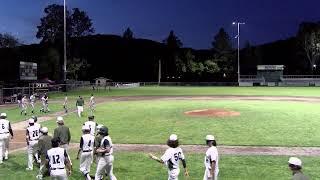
{"points": [[250, 124]]}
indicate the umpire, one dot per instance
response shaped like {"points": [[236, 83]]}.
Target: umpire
{"points": [[44, 144], [63, 133]]}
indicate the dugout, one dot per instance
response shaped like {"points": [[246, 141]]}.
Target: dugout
{"points": [[270, 73]]}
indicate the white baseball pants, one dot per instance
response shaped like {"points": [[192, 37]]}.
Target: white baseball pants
{"points": [[58, 174], [105, 165], [85, 162], [30, 152], [173, 174], [208, 176]]}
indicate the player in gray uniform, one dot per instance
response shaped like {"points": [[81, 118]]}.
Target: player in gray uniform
{"points": [[171, 158], [45, 104], [5, 131], [24, 105], [19, 100], [57, 161], [86, 150], [65, 103], [106, 161], [32, 102]]}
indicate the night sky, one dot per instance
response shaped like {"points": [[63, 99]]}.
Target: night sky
{"points": [[194, 21]]}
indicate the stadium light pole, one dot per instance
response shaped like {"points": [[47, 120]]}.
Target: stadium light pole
{"points": [[238, 37], [64, 42]]}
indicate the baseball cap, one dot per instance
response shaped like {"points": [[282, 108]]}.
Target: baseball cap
{"points": [[209, 137], [85, 127], [99, 126], [44, 130], [91, 117], [295, 161], [59, 119], [31, 121], [3, 114], [173, 137]]}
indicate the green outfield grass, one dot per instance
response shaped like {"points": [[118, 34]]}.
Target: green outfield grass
{"points": [[137, 166], [13, 113], [261, 123], [196, 91]]}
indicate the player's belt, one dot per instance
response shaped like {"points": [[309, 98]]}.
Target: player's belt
{"points": [[87, 151], [4, 133], [34, 140], [56, 168]]}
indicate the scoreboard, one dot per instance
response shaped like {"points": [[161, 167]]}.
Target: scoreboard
{"points": [[28, 70]]}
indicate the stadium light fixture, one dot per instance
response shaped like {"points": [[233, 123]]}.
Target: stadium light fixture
{"points": [[64, 42], [238, 37]]}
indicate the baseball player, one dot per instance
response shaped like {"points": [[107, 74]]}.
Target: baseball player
{"points": [[24, 105], [44, 144], [35, 118], [295, 165], [86, 150], [80, 104], [105, 164], [45, 105], [5, 129], [92, 104], [32, 137], [19, 100], [36, 147], [57, 160], [91, 124], [97, 142], [65, 103], [32, 102], [211, 160], [63, 133], [171, 158]]}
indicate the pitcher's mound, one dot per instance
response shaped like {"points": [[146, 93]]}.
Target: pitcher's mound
{"points": [[212, 113]]}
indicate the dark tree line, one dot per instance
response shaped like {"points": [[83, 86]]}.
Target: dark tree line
{"points": [[128, 58]]}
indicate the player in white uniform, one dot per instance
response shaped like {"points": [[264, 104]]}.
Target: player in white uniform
{"points": [[171, 158], [86, 150], [92, 104], [105, 164], [91, 124], [5, 131], [24, 105], [32, 137], [65, 103], [32, 102], [45, 105], [211, 160], [57, 159]]}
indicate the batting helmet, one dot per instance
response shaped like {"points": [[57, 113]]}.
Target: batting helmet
{"points": [[104, 131], [3, 115], [35, 118]]}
